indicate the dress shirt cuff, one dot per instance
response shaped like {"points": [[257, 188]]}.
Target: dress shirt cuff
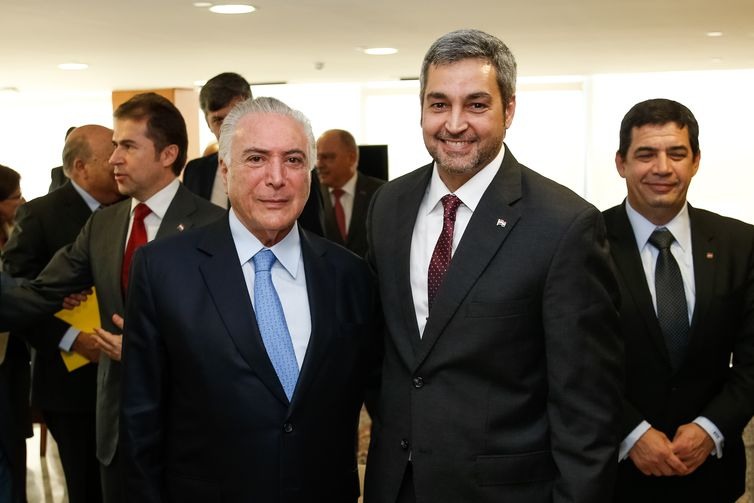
{"points": [[69, 337], [631, 439], [715, 434]]}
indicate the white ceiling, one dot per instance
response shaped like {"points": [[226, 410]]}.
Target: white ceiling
{"points": [[137, 44]]}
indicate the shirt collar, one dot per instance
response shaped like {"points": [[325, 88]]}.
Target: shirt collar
{"points": [[88, 199], [349, 187], [470, 192], [160, 201], [679, 226], [287, 251]]}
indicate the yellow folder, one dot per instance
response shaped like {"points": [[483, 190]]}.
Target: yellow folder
{"points": [[85, 318]]}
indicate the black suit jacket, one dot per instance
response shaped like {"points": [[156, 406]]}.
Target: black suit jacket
{"points": [[204, 416], [43, 226], [199, 177], [513, 392], [95, 258], [704, 385], [366, 186], [57, 178]]}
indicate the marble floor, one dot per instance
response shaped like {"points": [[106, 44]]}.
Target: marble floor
{"points": [[45, 482]]}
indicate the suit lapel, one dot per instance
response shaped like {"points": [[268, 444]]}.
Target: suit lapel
{"points": [[359, 211], [113, 248], [492, 222], [628, 262], [320, 286], [404, 217], [705, 255], [225, 282], [178, 216]]}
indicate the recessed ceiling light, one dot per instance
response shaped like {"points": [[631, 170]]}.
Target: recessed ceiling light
{"points": [[714, 34], [73, 66], [232, 9], [202, 4], [380, 51]]}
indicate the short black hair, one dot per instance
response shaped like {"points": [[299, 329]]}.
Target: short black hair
{"points": [[165, 124], [657, 112], [221, 89]]}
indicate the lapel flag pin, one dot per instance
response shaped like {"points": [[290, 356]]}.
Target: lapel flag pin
{"points": [[501, 222], [180, 227], [710, 255]]}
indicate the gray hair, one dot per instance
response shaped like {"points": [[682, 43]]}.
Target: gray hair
{"points": [[263, 105], [466, 44], [75, 148]]}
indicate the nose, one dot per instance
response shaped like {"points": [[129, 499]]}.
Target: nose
{"points": [[115, 157], [275, 173], [662, 166], [456, 122]]}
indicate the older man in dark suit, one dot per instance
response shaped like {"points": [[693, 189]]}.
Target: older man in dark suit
{"points": [[687, 283], [150, 149], [65, 398], [501, 379], [203, 177], [346, 193], [248, 387]]}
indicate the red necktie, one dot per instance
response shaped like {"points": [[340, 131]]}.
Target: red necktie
{"points": [[340, 215], [137, 238], [440, 261]]}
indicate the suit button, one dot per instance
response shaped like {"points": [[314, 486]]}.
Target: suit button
{"points": [[418, 382], [404, 444], [287, 427]]}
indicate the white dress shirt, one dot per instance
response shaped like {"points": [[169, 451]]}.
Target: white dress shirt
{"points": [[680, 227], [428, 226], [346, 199], [288, 276]]}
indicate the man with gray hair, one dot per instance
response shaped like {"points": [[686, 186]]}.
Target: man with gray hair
{"points": [[248, 387], [44, 225], [501, 379]]}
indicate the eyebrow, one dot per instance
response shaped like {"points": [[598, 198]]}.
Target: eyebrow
{"points": [[257, 150], [473, 96], [675, 148]]}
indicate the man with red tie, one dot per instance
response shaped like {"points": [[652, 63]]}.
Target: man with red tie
{"points": [[150, 150], [346, 193]]}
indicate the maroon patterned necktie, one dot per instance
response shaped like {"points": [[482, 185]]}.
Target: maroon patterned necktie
{"points": [[137, 238], [340, 214], [440, 261]]}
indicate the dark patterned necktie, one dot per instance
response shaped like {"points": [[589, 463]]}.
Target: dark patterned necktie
{"points": [[438, 264], [672, 310]]}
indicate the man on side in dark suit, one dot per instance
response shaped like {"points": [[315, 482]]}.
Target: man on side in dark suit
{"points": [[249, 387], [43, 226], [202, 176], [150, 148], [687, 285], [345, 192], [501, 378]]}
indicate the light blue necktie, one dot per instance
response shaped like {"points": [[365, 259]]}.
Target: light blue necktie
{"points": [[271, 322]]}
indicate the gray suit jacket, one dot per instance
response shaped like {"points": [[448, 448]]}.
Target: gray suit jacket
{"points": [[514, 391], [95, 259]]}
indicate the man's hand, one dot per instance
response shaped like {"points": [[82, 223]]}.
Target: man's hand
{"points": [[692, 445], [85, 344], [653, 455], [75, 299], [108, 343]]}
